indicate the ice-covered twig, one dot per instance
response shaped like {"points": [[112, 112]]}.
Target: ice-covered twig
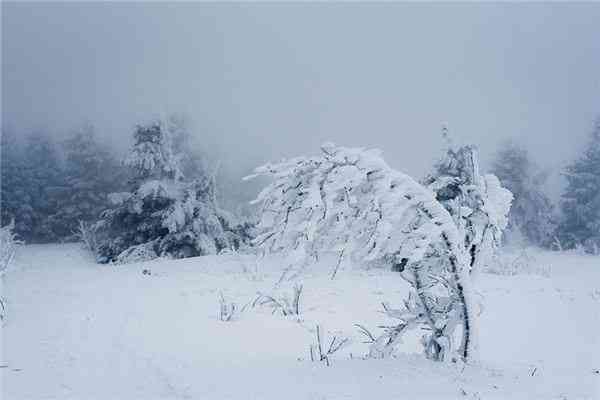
{"points": [[366, 333]]}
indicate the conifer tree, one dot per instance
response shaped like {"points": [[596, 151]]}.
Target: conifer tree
{"points": [[532, 212], [162, 214], [580, 206]]}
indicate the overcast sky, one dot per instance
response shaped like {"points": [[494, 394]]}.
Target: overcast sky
{"points": [[266, 81]]}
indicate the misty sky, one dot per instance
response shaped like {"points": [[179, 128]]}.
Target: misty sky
{"points": [[266, 81]]}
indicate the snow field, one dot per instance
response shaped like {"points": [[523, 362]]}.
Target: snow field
{"points": [[78, 330]]}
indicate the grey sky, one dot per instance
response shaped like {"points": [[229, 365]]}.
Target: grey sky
{"points": [[265, 81]]}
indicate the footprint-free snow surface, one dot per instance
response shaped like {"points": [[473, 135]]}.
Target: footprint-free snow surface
{"points": [[77, 330]]}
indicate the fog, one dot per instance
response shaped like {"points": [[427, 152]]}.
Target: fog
{"points": [[266, 81]]}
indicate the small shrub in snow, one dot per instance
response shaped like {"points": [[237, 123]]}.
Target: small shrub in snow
{"points": [[287, 305], [412, 315], [323, 349], [86, 233], [227, 311], [370, 338], [135, 254], [350, 202], [521, 263], [8, 246], [252, 271]]}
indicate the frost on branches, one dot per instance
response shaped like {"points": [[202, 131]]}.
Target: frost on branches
{"points": [[163, 214], [8, 246], [478, 204], [349, 201]]}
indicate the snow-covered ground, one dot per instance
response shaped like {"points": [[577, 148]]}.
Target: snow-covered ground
{"points": [[77, 330]]}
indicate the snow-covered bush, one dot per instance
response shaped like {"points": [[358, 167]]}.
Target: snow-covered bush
{"points": [[8, 246], [349, 201], [287, 305], [163, 214], [228, 311], [478, 204], [521, 262], [87, 235], [322, 351]]}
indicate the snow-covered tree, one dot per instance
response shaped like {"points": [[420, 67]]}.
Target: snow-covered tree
{"points": [[478, 204], [349, 202], [580, 220], [532, 213], [162, 214]]}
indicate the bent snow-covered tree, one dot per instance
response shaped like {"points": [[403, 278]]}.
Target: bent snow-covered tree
{"points": [[163, 214], [349, 201]]}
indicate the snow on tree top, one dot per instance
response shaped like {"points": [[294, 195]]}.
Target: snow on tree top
{"points": [[350, 197]]}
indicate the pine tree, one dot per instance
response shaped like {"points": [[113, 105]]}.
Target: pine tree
{"points": [[162, 214], [580, 220], [532, 212]]}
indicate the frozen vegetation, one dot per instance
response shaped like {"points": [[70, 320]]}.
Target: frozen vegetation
{"points": [[356, 282], [175, 222]]}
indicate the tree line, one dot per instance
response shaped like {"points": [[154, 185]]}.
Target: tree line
{"points": [[575, 221], [436, 232], [49, 187]]}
